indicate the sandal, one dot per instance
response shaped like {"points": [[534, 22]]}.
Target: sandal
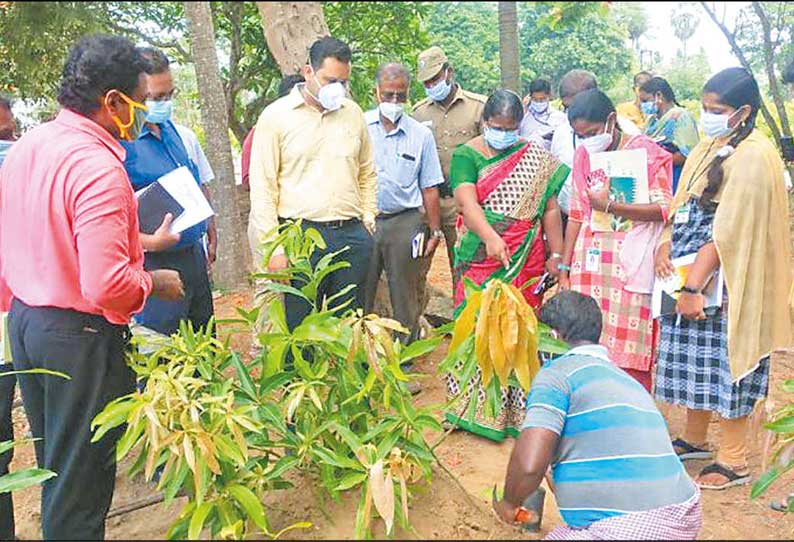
{"points": [[785, 505], [689, 451], [734, 479]]}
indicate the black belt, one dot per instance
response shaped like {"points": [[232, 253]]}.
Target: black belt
{"points": [[331, 224], [386, 216]]}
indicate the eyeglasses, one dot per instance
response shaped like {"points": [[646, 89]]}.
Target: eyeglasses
{"points": [[399, 97], [164, 97]]}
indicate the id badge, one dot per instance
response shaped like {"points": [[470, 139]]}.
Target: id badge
{"points": [[592, 263], [681, 216]]}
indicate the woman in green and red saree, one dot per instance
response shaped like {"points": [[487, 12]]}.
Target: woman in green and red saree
{"points": [[506, 192]]}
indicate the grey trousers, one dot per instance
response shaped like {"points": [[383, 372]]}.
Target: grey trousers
{"points": [[392, 253], [449, 215]]}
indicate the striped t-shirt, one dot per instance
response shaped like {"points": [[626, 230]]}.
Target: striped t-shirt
{"points": [[614, 455]]}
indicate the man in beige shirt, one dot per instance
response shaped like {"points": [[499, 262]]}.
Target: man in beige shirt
{"points": [[311, 159], [453, 115]]}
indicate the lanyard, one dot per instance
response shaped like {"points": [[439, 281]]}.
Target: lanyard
{"points": [[696, 177]]}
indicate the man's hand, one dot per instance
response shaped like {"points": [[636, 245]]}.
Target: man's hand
{"points": [[564, 281], [162, 238], [212, 244], [167, 285], [431, 246], [505, 511]]}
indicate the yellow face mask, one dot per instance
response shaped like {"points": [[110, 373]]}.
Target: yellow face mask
{"points": [[137, 113]]}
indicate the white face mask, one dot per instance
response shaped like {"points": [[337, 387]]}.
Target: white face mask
{"points": [[714, 125], [390, 110], [331, 95], [597, 143], [539, 107]]}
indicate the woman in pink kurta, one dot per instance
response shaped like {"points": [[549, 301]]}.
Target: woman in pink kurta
{"points": [[611, 256]]}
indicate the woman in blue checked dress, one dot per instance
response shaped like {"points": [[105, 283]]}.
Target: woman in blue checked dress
{"points": [[730, 209]]}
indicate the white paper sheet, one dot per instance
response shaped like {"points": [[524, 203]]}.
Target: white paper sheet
{"points": [[181, 184]]}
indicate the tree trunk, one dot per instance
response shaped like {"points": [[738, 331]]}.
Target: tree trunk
{"points": [[230, 268], [508, 46], [769, 61], [290, 29]]}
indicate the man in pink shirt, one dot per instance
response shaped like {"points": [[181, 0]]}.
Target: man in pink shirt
{"points": [[71, 258]]}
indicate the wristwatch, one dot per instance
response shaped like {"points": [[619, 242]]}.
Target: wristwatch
{"points": [[437, 234], [689, 290]]}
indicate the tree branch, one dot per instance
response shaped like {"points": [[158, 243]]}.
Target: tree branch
{"points": [[769, 61], [744, 62], [185, 56]]}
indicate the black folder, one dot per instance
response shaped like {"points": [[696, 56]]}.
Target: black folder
{"points": [[153, 204]]}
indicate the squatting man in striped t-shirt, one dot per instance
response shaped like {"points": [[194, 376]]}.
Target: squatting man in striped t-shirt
{"points": [[615, 473]]}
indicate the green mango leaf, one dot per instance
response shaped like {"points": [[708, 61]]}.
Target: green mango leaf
{"points": [[20, 479], [283, 465], [37, 372], [286, 289], [251, 504], [246, 382], [788, 386], [197, 520], [783, 425], [351, 481], [766, 480], [114, 415], [363, 516], [349, 438], [420, 348]]}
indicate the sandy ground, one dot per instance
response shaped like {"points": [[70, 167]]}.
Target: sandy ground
{"points": [[442, 510]]}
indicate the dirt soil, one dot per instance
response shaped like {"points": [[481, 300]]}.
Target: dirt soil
{"points": [[443, 510]]}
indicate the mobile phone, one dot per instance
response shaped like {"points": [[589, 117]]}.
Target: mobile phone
{"points": [[787, 148], [546, 281]]}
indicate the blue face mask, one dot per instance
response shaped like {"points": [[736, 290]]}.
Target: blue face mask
{"points": [[439, 91], [500, 139], [157, 112], [649, 108]]}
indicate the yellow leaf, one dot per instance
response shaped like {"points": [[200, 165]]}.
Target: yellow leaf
{"points": [[464, 326], [509, 324], [382, 489], [481, 350], [208, 449], [495, 340], [521, 361], [404, 497], [190, 456]]}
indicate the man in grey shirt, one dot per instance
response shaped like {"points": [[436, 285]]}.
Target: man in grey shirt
{"points": [[409, 174]]}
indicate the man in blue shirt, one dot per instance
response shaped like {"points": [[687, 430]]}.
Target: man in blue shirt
{"points": [[162, 147], [615, 473], [409, 173]]}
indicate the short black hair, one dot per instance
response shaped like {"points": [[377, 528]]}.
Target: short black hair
{"points": [[642, 75], [788, 74], [591, 105], [287, 82], [540, 85], [97, 64], [158, 61], [660, 85], [329, 47], [5, 103], [575, 316], [503, 103]]}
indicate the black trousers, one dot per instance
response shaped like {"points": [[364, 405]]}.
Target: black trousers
{"points": [[7, 385], [354, 235], [197, 306], [91, 351]]}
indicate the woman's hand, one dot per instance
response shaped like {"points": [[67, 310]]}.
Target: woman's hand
{"points": [[598, 199], [662, 263], [496, 248], [690, 306], [552, 266], [564, 281]]}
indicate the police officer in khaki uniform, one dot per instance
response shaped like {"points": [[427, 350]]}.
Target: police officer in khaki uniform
{"points": [[453, 115]]}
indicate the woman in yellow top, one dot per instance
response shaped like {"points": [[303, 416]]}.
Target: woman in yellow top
{"points": [[731, 210]]}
